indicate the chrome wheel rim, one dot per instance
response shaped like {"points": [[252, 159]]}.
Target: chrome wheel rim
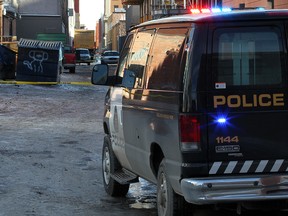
{"points": [[106, 165], [162, 196]]}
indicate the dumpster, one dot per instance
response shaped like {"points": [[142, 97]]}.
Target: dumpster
{"points": [[39, 61], [7, 63]]}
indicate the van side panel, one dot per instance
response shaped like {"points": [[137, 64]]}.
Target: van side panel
{"points": [[151, 113], [149, 120]]}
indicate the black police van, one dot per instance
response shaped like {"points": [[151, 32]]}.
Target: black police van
{"points": [[198, 105]]}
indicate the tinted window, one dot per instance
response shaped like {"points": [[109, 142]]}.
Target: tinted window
{"points": [[84, 51], [138, 55], [247, 57], [111, 54], [68, 50], [124, 56], [166, 60]]}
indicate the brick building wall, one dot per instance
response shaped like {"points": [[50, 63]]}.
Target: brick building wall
{"points": [[118, 30], [115, 29], [268, 4], [117, 4]]}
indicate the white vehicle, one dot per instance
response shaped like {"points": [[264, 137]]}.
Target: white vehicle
{"points": [[110, 57], [83, 56]]}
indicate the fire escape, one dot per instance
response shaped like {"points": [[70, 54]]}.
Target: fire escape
{"points": [[154, 9], [8, 14]]}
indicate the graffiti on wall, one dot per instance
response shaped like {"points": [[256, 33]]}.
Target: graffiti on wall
{"points": [[37, 58]]}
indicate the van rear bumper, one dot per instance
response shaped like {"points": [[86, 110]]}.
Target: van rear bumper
{"points": [[235, 189]]}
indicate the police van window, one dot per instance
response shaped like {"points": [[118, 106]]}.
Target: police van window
{"points": [[247, 57], [166, 59], [138, 55], [123, 58]]}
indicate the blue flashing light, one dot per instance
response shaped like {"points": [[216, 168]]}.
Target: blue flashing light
{"points": [[260, 8], [221, 120], [226, 9], [216, 10]]}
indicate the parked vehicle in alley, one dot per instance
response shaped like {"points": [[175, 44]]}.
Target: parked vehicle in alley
{"points": [[110, 57], [198, 105], [83, 56], [69, 60], [84, 38]]}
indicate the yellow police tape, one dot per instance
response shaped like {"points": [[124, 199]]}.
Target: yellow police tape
{"points": [[43, 83]]}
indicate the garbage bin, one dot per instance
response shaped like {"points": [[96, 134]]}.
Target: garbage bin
{"points": [[39, 61], [7, 63]]}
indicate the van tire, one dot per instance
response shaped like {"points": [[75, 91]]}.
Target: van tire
{"points": [[168, 202], [109, 165], [72, 70]]}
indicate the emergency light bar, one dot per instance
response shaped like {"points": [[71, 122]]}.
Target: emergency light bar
{"points": [[207, 10], [217, 10]]}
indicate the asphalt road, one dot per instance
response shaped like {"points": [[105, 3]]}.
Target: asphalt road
{"points": [[50, 154]]}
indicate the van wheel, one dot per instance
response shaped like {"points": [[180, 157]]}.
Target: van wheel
{"points": [[168, 202], [72, 70], [109, 165], [60, 70]]}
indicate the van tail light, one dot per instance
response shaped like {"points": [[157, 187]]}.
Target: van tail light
{"points": [[189, 133]]}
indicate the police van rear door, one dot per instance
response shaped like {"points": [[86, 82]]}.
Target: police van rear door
{"points": [[248, 116]]}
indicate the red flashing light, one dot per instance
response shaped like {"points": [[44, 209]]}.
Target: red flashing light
{"points": [[195, 11], [205, 10], [198, 11]]}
